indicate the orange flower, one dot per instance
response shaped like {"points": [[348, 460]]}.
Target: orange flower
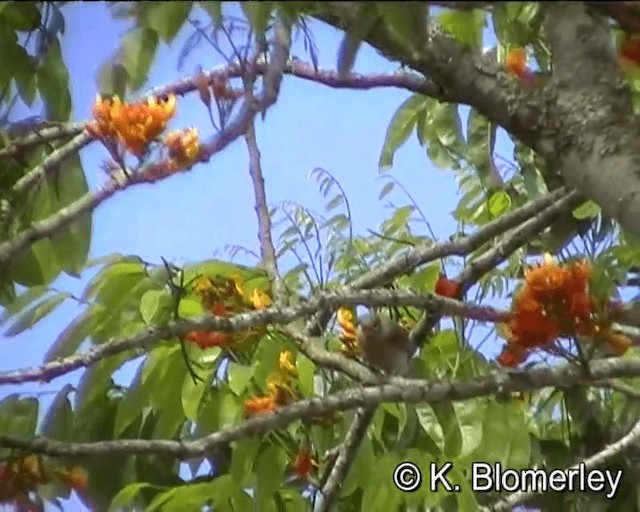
{"points": [[448, 287], [348, 335], [287, 363], [280, 388], [304, 463], [183, 146], [206, 339], [134, 124], [512, 355], [617, 342], [76, 477], [516, 65], [259, 299], [553, 302], [630, 48], [259, 405], [202, 286]]}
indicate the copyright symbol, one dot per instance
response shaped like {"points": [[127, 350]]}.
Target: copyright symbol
{"points": [[407, 477]]}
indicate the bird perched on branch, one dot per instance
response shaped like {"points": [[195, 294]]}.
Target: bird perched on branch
{"points": [[385, 344]]}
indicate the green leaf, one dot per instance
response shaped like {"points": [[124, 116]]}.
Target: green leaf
{"points": [[306, 370], [109, 285], [239, 377], [112, 78], [506, 440], [193, 392], [166, 18], [21, 16], [465, 498], [258, 14], [18, 417], [243, 456], [96, 381], [406, 22], [189, 308], [166, 393], [127, 495], [72, 243], [464, 25], [470, 414], [36, 266], [431, 426], [22, 301], [269, 468], [499, 203], [53, 83], [32, 316], [388, 187], [446, 415], [214, 10], [481, 139], [586, 210], [426, 278], [400, 128], [68, 341], [24, 72], [139, 47], [58, 422], [439, 129], [155, 306], [334, 203]]}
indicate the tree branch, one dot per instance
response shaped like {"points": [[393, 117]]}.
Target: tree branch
{"points": [[239, 322], [594, 135], [397, 390], [267, 248]]}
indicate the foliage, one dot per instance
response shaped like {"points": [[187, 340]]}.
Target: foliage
{"points": [[196, 381]]}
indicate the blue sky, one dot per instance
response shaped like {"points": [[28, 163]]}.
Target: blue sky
{"points": [[191, 216]]}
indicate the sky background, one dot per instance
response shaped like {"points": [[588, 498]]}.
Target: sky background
{"points": [[191, 216]]}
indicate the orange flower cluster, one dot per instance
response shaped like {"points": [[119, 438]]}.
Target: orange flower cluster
{"points": [[346, 320], [516, 65], [554, 302], [448, 287], [630, 49], [304, 463], [21, 476], [134, 125], [222, 296], [280, 387], [183, 146]]}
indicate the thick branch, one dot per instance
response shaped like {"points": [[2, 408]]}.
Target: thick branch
{"points": [[594, 136], [398, 390], [463, 76]]}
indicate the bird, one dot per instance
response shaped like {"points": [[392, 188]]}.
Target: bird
{"points": [[385, 344]]}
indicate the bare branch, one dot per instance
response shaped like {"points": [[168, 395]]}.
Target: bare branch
{"points": [[347, 452], [398, 390], [267, 248]]}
